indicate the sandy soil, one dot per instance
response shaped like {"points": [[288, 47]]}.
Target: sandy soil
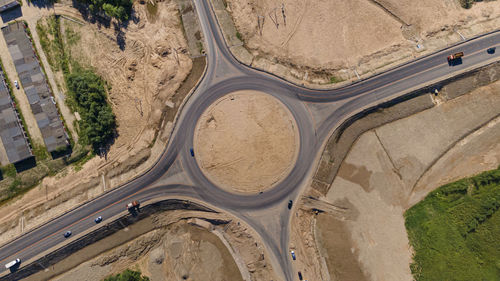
{"points": [[143, 77], [394, 166], [320, 39], [179, 252], [172, 245], [246, 141]]}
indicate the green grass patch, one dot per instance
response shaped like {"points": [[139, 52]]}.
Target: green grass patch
{"points": [[83, 158], [9, 171], [40, 152], [72, 37], [128, 275], [335, 79], [455, 231], [152, 9], [238, 35], [52, 43]]}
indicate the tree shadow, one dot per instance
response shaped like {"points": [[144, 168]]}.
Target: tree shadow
{"points": [[67, 150], [120, 36], [103, 20], [455, 62], [41, 4], [100, 19]]}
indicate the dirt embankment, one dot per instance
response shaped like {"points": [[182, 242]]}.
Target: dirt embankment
{"points": [[322, 42], [172, 245], [149, 80], [246, 142], [390, 168]]}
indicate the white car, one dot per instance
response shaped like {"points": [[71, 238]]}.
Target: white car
{"points": [[16, 84]]}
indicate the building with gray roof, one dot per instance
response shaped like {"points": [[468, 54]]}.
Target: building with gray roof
{"points": [[14, 138], [35, 86]]}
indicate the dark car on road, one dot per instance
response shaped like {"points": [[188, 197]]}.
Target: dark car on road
{"points": [[192, 152], [293, 255], [290, 203], [491, 50], [67, 234], [98, 219]]}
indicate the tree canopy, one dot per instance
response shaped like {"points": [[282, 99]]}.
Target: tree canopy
{"points": [[119, 9], [88, 97]]}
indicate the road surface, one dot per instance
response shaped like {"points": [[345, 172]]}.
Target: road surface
{"points": [[267, 213]]}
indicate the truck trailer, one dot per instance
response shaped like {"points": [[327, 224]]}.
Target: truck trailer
{"points": [[455, 56], [12, 263]]}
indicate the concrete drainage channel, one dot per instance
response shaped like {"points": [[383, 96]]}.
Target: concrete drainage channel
{"points": [[121, 222]]}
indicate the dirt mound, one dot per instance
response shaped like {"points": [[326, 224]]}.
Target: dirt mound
{"points": [[330, 41], [246, 142]]}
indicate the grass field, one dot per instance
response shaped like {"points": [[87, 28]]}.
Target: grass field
{"points": [[455, 231]]}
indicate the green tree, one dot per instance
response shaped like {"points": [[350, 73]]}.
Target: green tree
{"points": [[88, 96], [119, 9]]}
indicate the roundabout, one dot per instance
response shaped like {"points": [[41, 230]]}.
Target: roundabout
{"points": [[295, 119], [246, 142]]}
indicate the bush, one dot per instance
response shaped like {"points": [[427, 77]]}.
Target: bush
{"points": [[128, 275]]}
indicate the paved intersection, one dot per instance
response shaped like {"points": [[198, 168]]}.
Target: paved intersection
{"points": [[224, 75]]}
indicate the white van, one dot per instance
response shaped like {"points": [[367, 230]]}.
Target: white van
{"points": [[12, 263]]}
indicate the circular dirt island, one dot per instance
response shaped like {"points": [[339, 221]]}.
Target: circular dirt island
{"points": [[246, 142]]}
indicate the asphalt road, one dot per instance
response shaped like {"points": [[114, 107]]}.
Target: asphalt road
{"points": [[225, 75]]}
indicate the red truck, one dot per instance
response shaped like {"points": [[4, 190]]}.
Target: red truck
{"points": [[133, 205], [455, 56]]}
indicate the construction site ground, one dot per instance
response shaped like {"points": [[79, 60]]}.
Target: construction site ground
{"points": [[322, 42], [149, 75], [172, 245], [246, 142], [362, 234]]}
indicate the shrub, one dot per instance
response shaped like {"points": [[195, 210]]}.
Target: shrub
{"points": [[128, 275]]}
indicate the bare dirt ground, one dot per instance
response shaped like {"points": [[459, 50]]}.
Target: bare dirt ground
{"points": [[388, 170], [144, 77], [246, 141], [318, 40], [175, 245]]}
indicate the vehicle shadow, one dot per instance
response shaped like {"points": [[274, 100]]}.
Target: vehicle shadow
{"points": [[455, 62]]}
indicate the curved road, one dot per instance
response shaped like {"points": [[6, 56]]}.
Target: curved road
{"points": [[224, 75]]}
